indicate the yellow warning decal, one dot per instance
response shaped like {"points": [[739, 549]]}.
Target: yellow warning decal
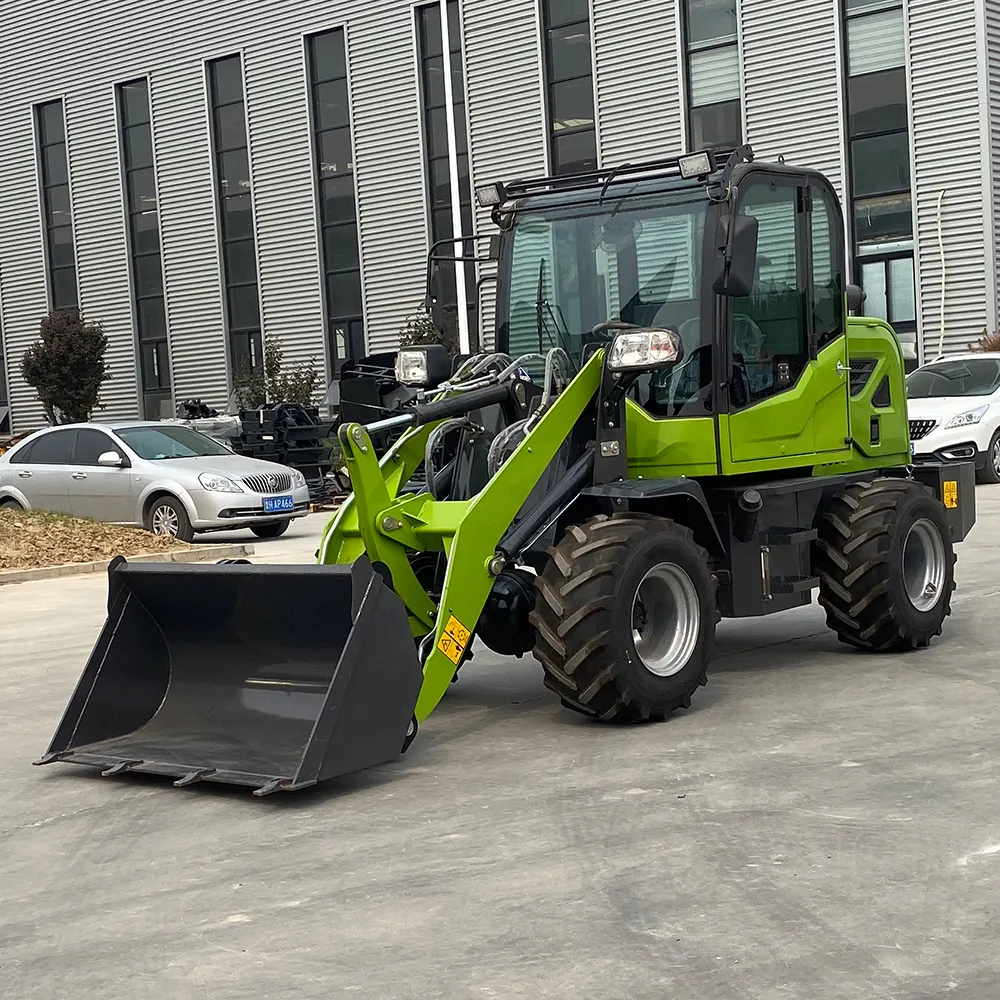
{"points": [[451, 649], [457, 631], [951, 495], [455, 639]]}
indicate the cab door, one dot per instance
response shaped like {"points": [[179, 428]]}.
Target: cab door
{"points": [[788, 385]]}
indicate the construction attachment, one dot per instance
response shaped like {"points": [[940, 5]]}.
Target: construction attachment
{"points": [[273, 677]]}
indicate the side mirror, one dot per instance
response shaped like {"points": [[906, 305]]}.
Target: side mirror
{"points": [[736, 260], [111, 460], [856, 297], [434, 300]]}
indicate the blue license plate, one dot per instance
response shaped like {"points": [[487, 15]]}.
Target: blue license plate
{"points": [[273, 505]]}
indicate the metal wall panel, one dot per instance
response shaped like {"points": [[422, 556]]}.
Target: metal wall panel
{"points": [[945, 108], [506, 116], [102, 260], [389, 166], [793, 83], [638, 80], [990, 125]]}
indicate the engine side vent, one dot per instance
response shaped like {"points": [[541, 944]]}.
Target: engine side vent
{"points": [[862, 370]]}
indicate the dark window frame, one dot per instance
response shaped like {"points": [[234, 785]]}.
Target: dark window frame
{"points": [[341, 323], [55, 273], [152, 348], [690, 48], [245, 341], [549, 25]]}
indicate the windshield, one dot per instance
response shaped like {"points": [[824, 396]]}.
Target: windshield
{"points": [[635, 260], [158, 443], [971, 377]]}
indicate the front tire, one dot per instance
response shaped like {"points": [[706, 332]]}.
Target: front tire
{"points": [[886, 565], [10, 504], [167, 516], [991, 470], [275, 530], [625, 618]]}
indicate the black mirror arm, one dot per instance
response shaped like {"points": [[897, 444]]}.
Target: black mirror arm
{"points": [[734, 201]]}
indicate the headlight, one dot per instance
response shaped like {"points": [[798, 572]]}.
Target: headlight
{"points": [[298, 480], [644, 350], [967, 419], [412, 368], [218, 484]]}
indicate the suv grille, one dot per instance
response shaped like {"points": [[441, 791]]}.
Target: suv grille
{"points": [[921, 428], [271, 482]]}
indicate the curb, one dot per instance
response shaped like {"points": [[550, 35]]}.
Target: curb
{"points": [[197, 553]]}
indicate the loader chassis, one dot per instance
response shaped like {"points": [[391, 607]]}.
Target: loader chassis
{"points": [[685, 425]]}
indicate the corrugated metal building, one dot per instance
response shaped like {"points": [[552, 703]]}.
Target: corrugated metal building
{"points": [[198, 175]]}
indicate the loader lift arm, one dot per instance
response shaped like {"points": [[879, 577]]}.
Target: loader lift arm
{"points": [[379, 521]]}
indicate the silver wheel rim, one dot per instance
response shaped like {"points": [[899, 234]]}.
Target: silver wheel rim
{"points": [[666, 620], [924, 565], [996, 458], [165, 521]]}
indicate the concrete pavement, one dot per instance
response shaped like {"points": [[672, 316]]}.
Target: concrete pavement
{"points": [[822, 825]]}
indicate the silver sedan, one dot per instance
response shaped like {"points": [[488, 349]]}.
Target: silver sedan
{"points": [[164, 477]]}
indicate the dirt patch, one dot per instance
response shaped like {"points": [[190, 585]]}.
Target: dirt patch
{"points": [[29, 539]]}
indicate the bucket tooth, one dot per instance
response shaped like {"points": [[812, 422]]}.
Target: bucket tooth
{"points": [[193, 777], [120, 768], [269, 677], [51, 758], [270, 788]]}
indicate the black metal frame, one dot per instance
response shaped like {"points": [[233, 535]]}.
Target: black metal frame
{"points": [[352, 322], [47, 186], [252, 333], [154, 353], [551, 135], [688, 48]]}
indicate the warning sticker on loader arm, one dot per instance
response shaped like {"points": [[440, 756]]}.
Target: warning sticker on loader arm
{"points": [[951, 495], [455, 639]]}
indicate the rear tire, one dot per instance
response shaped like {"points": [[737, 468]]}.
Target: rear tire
{"points": [[167, 516], [886, 565], [275, 530], [10, 504], [991, 470], [625, 618]]}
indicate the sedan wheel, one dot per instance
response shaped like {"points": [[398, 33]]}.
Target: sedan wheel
{"points": [[167, 517]]}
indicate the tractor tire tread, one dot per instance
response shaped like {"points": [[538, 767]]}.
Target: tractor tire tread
{"points": [[575, 643], [851, 559]]}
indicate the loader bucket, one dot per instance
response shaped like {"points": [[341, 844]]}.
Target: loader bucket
{"points": [[273, 677]]}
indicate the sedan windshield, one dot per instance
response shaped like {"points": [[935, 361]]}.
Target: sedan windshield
{"points": [[969, 377], [158, 443]]}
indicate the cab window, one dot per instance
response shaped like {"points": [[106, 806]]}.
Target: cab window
{"points": [[770, 342]]}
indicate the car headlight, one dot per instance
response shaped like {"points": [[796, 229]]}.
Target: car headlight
{"points": [[644, 350], [218, 484], [967, 419], [298, 480]]}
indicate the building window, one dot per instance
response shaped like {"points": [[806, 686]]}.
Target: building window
{"points": [[435, 118], [334, 168], [150, 317], [569, 81], [235, 206], [50, 126], [715, 115], [879, 155]]}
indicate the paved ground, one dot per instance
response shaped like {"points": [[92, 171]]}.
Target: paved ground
{"points": [[821, 826]]}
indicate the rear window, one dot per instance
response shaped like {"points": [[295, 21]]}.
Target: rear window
{"points": [[55, 448]]}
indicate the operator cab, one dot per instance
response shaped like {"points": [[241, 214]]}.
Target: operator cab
{"points": [[647, 246]]}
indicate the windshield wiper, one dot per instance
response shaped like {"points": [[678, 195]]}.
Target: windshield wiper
{"points": [[543, 306]]}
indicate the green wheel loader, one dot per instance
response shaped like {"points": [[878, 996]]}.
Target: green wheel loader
{"points": [[681, 422]]}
